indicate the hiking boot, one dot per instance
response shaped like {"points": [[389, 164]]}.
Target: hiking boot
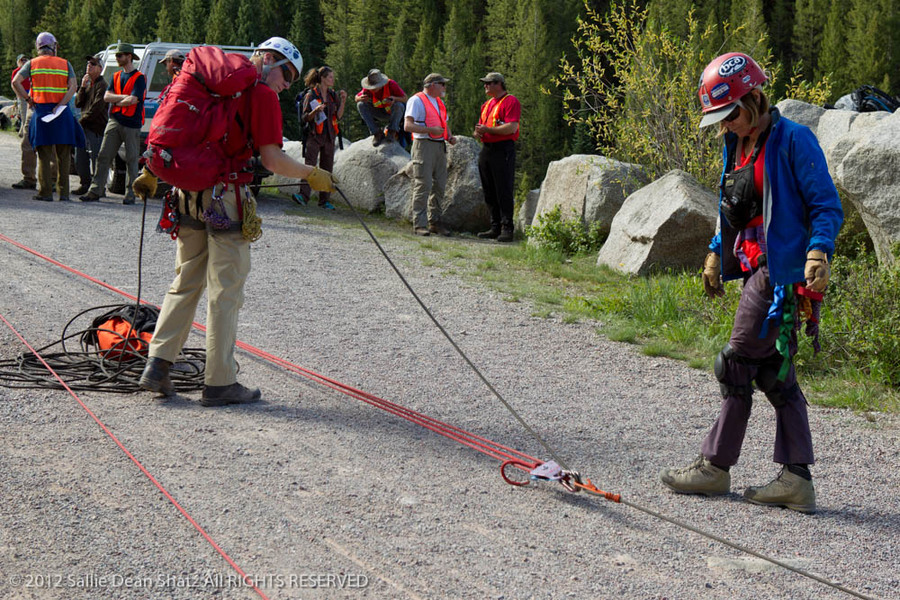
{"points": [[439, 229], [43, 198], [89, 197], [379, 137], [128, 200], [390, 137], [81, 190], [701, 477], [25, 185], [221, 395], [491, 234], [506, 235], [155, 377], [423, 231], [788, 489], [64, 198], [300, 199]]}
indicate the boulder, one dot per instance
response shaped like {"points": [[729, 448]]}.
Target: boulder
{"points": [[667, 224], [801, 112], [594, 187], [363, 170], [866, 166], [295, 151], [463, 207], [525, 216]]}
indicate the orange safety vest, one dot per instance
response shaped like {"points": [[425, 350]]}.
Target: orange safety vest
{"points": [[320, 127], [127, 111], [433, 118], [489, 118], [49, 79], [380, 97]]}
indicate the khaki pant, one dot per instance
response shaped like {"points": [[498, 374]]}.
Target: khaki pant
{"points": [[218, 261], [429, 180], [29, 156], [53, 163]]}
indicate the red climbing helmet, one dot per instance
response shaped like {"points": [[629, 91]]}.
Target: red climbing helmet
{"points": [[726, 80]]}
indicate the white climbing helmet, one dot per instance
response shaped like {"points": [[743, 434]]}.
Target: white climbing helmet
{"points": [[286, 49]]}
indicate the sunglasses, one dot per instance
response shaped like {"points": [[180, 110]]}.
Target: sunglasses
{"points": [[288, 75], [733, 114]]}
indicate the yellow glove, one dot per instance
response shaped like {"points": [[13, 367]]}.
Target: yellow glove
{"points": [[816, 271], [145, 185], [712, 270], [321, 181]]}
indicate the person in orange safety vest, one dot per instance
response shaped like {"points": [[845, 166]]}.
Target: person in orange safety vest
{"points": [[381, 100], [426, 120]]}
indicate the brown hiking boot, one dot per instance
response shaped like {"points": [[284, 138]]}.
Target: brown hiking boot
{"points": [[379, 137], [491, 234], [439, 229], [24, 185], [423, 231], [506, 235], [700, 477], [155, 377], [221, 395], [788, 490]]}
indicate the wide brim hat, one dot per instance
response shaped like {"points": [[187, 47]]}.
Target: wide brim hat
{"points": [[375, 80], [127, 49]]}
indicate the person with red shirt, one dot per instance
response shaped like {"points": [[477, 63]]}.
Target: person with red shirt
{"points": [[29, 156], [498, 129], [381, 100], [218, 258]]}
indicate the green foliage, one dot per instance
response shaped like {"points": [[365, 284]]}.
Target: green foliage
{"points": [[568, 236]]}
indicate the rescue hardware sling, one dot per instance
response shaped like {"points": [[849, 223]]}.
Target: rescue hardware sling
{"points": [[741, 203], [186, 145], [49, 79], [434, 118], [126, 111]]}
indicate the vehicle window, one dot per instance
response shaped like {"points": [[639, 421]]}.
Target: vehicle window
{"points": [[159, 80]]}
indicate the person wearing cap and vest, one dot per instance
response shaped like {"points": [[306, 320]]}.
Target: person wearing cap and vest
{"points": [[498, 129], [94, 117], [381, 100], [29, 156], [322, 109], [212, 252], [426, 120], [173, 60], [53, 130], [779, 215], [125, 96]]}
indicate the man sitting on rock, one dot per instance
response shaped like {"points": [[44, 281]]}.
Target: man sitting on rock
{"points": [[382, 100]]}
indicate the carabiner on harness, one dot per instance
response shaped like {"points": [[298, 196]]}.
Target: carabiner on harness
{"points": [[212, 215]]}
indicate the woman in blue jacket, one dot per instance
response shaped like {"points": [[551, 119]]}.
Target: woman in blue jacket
{"points": [[779, 214]]}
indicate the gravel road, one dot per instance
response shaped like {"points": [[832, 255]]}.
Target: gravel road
{"points": [[317, 495]]}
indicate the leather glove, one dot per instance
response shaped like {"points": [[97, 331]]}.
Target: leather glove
{"points": [[712, 271], [145, 185], [816, 271], [321, 181]]}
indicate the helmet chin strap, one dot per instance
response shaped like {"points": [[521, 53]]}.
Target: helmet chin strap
{"points": [[266, 69]]}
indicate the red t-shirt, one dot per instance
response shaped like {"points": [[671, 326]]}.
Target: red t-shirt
{"points": [[751, 247], [260, 115], [26, 83], [509, 112]]}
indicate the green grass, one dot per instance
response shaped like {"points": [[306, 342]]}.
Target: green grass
{"points": [[665, 315]]}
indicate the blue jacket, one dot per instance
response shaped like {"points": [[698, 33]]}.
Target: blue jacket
{"points": [[801, 207]]}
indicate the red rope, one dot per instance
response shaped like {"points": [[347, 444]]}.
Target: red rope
{"points": [[140, 466], [466, 438]]}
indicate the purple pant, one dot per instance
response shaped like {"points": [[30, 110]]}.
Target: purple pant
{"points": [[793, 442]]}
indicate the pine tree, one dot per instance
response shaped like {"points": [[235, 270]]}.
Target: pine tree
{"points": [[869, 41], [306, 32], [167, 21], [833, 56], [54, 20], [809, 27], [670, 15], [402, 45], [247, 26], [220, 27], [753, 37], [461, 58], [192, 25]]}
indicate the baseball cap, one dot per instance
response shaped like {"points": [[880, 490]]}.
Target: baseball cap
{"points": [[435, 78], [174, 54], [493, 77]]}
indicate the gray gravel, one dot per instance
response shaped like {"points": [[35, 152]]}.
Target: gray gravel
{"points": [[311, 486]]}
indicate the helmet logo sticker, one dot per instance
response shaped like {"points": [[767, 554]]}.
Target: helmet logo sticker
{"points": [[720, 90], [732, 66], [705, 99]]}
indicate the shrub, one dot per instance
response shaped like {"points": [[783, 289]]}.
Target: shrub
{"points": [[568, 236]]}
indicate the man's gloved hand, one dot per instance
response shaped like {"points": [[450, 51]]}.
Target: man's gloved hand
{"points": [[712, 271], [145, 185], [816, 271], [321, 181]]}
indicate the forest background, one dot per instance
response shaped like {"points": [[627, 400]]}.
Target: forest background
{"points": [[547, 49]]}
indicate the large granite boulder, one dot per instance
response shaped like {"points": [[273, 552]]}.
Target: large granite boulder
{"points": [[594, 187], [363, 170], [865, 163], [527, 209], [667, 224], [463, 207], [801, 112], [295, 151]]}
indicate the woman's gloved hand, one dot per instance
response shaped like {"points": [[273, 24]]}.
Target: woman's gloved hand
{"points": [[816, 271], [145, 185], [321, 181], [712, 273]]}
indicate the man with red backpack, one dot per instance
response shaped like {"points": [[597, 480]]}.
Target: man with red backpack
{"points": [[426, 120], [126, 111], [213, 249]]}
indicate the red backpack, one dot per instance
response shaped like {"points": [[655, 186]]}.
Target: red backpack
{"points": [[186, 144]]}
